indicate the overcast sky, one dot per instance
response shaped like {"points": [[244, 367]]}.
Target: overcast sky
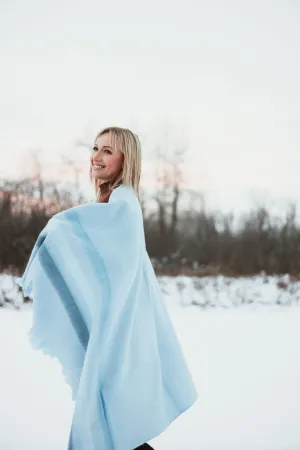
{"points": [[223, 75]]}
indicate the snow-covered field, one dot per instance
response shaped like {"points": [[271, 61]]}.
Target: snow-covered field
{"points": [[206, 292], [245, 362]]}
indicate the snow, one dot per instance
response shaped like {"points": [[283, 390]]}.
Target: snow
{"points": [[206, 292], [245, 362], [226, 292]]}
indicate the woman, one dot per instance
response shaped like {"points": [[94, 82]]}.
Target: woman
{"points": [[97, 308]]}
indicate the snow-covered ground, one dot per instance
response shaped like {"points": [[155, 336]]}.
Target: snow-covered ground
{"points": [[206, 292], [245, 362]]}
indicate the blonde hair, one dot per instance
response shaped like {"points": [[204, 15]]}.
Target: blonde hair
{"points": [[129, 144]]}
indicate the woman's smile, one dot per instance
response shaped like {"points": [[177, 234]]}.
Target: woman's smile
{"points": [[98, 166]]}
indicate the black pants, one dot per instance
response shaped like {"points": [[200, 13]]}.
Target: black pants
{"points": [[144, 447]]}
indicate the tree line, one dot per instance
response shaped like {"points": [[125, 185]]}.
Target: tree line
{"points": [[192, 241]]}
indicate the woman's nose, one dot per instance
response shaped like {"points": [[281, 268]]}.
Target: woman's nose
{"points": [[97, 157]]}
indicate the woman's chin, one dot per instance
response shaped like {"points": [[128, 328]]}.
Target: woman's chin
{"points": [[99, 178]]}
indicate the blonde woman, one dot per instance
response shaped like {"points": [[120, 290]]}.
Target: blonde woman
{"points": [[97, 308]]}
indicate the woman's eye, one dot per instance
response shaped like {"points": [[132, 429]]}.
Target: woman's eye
{"points": [[95, 149]]}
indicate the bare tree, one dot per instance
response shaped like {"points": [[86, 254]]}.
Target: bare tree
{"points": [[75, 167], [169, 174]]}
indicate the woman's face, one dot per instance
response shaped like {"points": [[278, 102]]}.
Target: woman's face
{"points": [[106, 160]]}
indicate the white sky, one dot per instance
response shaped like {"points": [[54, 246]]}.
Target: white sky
{"points": [[224, 76]]}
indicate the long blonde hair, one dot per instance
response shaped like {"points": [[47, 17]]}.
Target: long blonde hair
{"points": [[130, 174]]}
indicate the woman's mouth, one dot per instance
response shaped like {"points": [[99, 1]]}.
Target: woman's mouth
{"points": [[96, 166]]}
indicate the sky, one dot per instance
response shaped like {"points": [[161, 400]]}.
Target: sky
{"points": [[222, 77]]}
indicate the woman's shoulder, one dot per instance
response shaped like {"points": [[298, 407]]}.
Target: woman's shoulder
{"points": [[123, 192]]}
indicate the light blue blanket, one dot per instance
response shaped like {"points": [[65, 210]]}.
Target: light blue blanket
{"points": [[98, 309]]}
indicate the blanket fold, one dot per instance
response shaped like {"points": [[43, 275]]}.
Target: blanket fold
{"points": [[97, 308]]}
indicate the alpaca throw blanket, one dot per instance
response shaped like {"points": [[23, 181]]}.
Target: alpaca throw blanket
{"points": [[97, 308]]}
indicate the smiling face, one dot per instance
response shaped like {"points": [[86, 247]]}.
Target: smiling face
{"points": [[106, 160]]}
